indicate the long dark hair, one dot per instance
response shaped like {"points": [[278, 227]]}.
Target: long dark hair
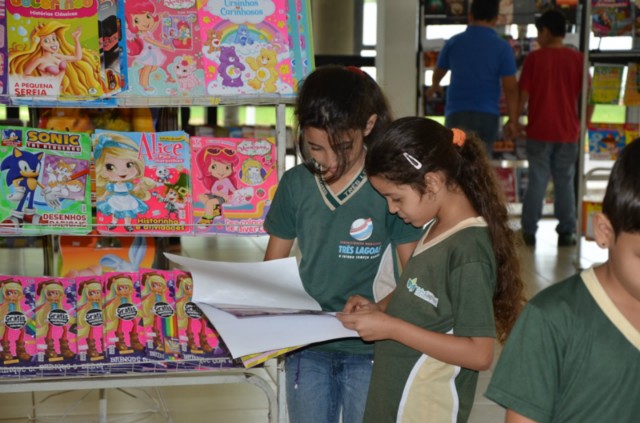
{"points": [[465, 166], [339, 99]]}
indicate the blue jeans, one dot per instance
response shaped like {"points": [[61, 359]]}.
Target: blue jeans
{"points": [[485, 125], [557, 160], [322, 384]]}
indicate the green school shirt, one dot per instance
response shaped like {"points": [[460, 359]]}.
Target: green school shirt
{"points": [[342, 239]]}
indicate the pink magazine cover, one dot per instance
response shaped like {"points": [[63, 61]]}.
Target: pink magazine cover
{"points": [[234, 182], [163, 48], [55, 317], [143, 182], [246, 48], [124, 335], [157, 288], [90, 325], [199, 341], [17, 327]]}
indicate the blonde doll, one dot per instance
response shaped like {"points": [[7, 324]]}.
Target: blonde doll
{"points": [[120, 292], [50, 298], [90, 294], [154, 290], [118, 167], [11, 295], [50, 54], [184, 292]]}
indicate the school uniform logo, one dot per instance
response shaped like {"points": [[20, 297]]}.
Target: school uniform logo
{"points": [[424, 294], [361, 229], [358, 248]]}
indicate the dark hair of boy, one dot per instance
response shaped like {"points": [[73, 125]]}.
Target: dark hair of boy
{"points": [[622, 200], [485, 10], [554, 21]]}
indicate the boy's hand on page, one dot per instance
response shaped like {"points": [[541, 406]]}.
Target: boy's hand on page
{"points": [[355, 303]]}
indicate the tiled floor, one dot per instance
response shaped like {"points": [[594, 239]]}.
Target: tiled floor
{"points": [[541, 266]]}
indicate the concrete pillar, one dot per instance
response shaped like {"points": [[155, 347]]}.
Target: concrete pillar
{"points": [[396, 53]]}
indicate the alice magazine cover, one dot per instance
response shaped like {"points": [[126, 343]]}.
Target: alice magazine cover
{"points": [[143, 182], [53, 50], [44, 184], [234, 182]]}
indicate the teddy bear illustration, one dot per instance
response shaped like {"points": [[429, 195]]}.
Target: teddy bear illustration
{"points": [[212, 43], [230, 67], [264, 66]]}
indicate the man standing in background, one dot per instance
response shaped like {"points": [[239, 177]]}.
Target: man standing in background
{"points": [[481, 63]]}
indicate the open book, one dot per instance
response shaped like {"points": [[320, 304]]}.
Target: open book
{"points": [[258, 307]]}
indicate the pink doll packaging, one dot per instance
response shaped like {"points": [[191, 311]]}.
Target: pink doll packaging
{"points": [[234, 181], [90, 319], [55, 317], [124, 335], [158, 313], [17, 331], [199, 341]]}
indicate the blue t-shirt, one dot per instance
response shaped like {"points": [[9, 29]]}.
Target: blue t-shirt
{"points": [[477, 58]]}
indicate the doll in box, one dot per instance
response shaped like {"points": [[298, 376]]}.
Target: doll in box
{"points": [[158, 311], [54, 315], [121, 313], [190, 316], [90, 318], [14, 318]]}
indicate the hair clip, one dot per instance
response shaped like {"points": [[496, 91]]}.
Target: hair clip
{"points": [[356, 70], [414, 162], [459, 137]]}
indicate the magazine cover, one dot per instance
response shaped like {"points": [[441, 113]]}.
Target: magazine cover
{"points": [[17, 329], [606, 84], [143, 182], [611, 17], [55, 317], [3, 53], [45, 185], [124, 335], [441, 12], [246, 48], [199, 341], [90, 319], [234, 182], [606, 140], [157, 291], [164, 52], [53, 50], [113, 47], [632, 86]]}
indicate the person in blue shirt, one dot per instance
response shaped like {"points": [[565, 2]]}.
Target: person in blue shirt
{"points": [[481, 64]]}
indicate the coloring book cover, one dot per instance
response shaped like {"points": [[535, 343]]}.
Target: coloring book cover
{"points": [[234, 181], [55, 317], [54, 50], [17, 327], [163, 48], [3, 53], [199, 341], [143, 182], [113, 46], [90, 319], [606, 140], [606, 84], [246, 47], [157, 290], [611, 17], [45, 186]]}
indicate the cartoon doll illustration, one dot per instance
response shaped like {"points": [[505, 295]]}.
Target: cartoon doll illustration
{"points": [[109, 33], [11, 294], [174, 196], [252, 172], [50, 54], [142, 21], [118, 166], [90, 313], [154, 292], [119, 307], [50, 312], [216, 164], [23, 171], [188, 312]]}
